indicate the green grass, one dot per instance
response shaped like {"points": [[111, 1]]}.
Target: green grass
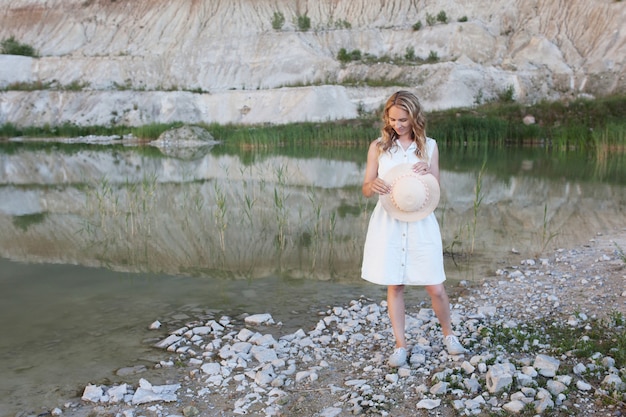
{"points": [[11, 46], [594, 128], [607, 336]]}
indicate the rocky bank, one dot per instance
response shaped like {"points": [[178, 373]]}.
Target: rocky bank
{"points": [[213, 364], [110, 62]]}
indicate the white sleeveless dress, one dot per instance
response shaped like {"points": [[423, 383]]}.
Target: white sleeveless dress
{"points": [[401, 253]]}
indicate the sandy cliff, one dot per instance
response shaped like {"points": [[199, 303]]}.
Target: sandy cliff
{"points": [[222, 61]]}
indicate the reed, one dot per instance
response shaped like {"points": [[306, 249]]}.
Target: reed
{"points": [[546, 234], [282, 211], [478, 198], [220, 215], [315, 233]]}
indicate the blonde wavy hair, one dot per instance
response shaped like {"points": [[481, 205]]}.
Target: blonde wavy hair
{"points": [[408, 102]]}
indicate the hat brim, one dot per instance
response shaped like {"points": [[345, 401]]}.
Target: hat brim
{"points": [[430, 189]]}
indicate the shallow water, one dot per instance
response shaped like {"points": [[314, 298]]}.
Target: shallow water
{"points": [[65, 326], [96, 244]]}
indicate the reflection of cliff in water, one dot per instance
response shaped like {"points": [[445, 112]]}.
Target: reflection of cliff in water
{"points": [[303, 217]]}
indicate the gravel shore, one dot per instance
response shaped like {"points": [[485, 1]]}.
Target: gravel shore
{"points": [[209, 364]]}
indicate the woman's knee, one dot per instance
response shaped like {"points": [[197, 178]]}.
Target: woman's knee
{"points": [[436, 291], [395, 289]]}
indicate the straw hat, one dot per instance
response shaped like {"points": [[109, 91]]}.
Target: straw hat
{"points": [[413, 196]]}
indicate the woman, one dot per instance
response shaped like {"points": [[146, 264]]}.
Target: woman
{"points": [[399, 253]]}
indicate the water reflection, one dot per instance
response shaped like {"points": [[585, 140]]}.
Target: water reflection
{"points": [[215, 216]]}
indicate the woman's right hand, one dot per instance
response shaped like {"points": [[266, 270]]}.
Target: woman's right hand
{"points": [[380, 187]]}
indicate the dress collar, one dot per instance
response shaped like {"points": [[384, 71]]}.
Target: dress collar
{"points": [[412, 146]]}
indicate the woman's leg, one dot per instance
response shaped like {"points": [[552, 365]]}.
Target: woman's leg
{"points": [[395, 306], [441, 306]]}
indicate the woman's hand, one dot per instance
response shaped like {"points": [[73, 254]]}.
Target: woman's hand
{"points": [[421, 168], [379, 186]]}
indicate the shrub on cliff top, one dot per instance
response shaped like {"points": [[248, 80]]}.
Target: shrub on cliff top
{"points": [[278, 20], [11, 46], [304, 22]]}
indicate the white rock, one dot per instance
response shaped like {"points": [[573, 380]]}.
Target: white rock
{"points": [[530, 371], [244, 334], [475, 403], [458, 404], [302, 375], [579, 369], [265, 376], [355, 382], [217, 327], [440, 388], [392, 378], [417, 359], [263, 340], [241, 347], [148, 393], [472, 385], [168, 341], [428, 404], [331, 412], [211, 368], [258, 319], [514, 406], [525, 380], [546, 365], [555, 387], [614, 382], [117, 394], [93, 394], [467, 367], [202, 330], [263, 354], [543, 404], [498, 377]]}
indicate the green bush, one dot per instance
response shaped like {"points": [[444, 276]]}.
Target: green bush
{"points": [[417, 25], [355, 55], [278, 20], [344, 56], [410, 54], [11, 46], [442, 17], [507, 95], [433, 57], [304, 22], [343, 24], [430, 19], [463, 19]]}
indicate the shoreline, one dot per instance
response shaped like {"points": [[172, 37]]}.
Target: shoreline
{"points": [[226, 366]]}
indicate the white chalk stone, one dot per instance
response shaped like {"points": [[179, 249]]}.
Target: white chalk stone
{"points": [[428, 404], [258, 319]]}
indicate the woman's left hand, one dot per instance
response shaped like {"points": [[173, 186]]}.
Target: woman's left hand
{"points": [[421, 168]]}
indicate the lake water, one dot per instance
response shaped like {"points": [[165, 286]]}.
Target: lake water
{"points": [[98, 242]]}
